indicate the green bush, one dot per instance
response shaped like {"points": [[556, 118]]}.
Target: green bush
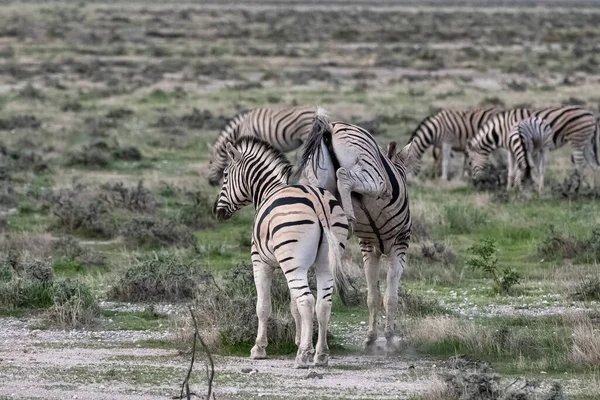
{"points": [[485, 260], [162, 276]]}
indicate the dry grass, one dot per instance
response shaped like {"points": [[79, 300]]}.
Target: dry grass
{"points": [[586, 345], [438, 329], [35, 245], [438, 390]]}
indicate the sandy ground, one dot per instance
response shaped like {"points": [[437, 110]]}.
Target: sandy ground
{"points": [[115, 365]]}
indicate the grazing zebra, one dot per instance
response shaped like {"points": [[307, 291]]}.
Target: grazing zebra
{"points": [[536, 136], [295, 226], [569, 124], [285, 129], [449, 130], [346, 160]]}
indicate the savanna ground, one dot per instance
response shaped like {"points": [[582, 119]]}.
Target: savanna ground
{"points": [[107, 111]]}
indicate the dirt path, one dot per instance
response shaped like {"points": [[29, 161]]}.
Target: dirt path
{"points": [[122, 365]]}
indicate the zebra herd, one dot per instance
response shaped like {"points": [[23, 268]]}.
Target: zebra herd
{"points": [[348, 185]]}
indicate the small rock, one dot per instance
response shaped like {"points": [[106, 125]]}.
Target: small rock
{"points": [[313, 374], [253, 372]]}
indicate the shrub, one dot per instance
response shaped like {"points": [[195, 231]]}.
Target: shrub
{"points": [[556, 246], [73, 305], [78, 211], [91, 156], [150, 231], [72, 256], [416, 305], [588, 289], [485, 259], [138, 198], [127, 153], [197, 213], [23, 293], [227, 314], [162, 276]]}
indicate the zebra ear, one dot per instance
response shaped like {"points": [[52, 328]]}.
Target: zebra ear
{"points": [[233, 153]]}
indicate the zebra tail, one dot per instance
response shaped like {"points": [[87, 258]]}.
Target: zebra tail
{"points": [[311, 152], [336, 265], [596, 143]]}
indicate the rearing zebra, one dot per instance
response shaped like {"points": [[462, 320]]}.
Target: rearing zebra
{"points": [[569, 124], [285, 129], [346, 160], [449, 130], [294, 227]]}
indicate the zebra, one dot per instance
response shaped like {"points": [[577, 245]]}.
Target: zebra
{"points": [[284, 128], [571, 124], [449, 130], [346, 160], [536, 136], [295, 226]]}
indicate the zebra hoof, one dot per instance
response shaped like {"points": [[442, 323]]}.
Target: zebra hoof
{"points": [[321, 360], [258, 353], [301, 362]]}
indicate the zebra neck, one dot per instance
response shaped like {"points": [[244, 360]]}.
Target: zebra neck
{"points": [[265, 186]]}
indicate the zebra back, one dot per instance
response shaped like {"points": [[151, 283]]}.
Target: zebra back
{"points": [[446, 125], [285, 129]]}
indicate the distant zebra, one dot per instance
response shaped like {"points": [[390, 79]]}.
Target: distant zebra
{"points": [[346, 160], [537, 137], [294, 227], [285, 129], [448, 130], [569, 124]]}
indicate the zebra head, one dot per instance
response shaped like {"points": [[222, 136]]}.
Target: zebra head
{"points": [[216, 166], [234, 192], [476, 162]]}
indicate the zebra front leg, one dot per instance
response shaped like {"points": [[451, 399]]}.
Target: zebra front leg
{"points": [[512, 165], [263, 276], [305, 303], [324, 294], [446, 156], [361, 179], [371, 261], [395, 270]]}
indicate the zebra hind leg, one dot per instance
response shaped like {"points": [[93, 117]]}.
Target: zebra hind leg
{"points": [[305, 302], [297, 319], [325, 286], [372, 262], [263, 276], [362, 179], [395, 270]]}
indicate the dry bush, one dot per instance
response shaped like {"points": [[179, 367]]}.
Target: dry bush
{"points": [[20, 122], [79, 211], [73, 306], [437, 389], [556, 246], [35, 245], [164, 276], [587, 289], [137, 199], [586, 345], [153, 231]]}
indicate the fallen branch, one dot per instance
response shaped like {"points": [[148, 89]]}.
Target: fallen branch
{"points": [[210, 366]]}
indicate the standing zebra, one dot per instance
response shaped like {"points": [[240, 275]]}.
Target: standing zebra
{"points": [[346, 160], [536, 136], [449, 130], [294, 227], [569, 124], [285, 129]]}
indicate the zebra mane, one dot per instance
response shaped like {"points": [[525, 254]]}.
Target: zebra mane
{"points": [[276, 156], [422, 123]]}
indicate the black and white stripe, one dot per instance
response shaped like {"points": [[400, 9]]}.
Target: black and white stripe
{"points": [[569, 124], [448, 130], [346, 160], [285, 129], [295, 227]]}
